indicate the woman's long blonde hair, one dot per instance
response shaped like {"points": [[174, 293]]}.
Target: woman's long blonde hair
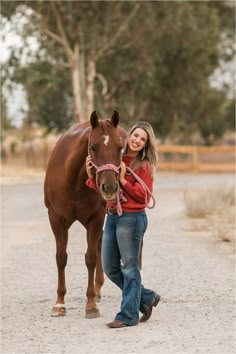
{"points": [[151, 153]]}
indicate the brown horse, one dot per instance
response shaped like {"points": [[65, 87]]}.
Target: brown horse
{"points": [[69, 199]]}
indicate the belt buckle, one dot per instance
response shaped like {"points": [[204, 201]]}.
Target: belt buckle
{"points": [[111, 210]]}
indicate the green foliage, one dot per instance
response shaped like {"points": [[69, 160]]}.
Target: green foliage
{"points": [[168, 75], [229, 114], [157, 70], [5, 120], [49, 98]]}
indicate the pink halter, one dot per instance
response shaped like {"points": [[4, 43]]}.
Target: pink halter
{"points": [[108, 167]]}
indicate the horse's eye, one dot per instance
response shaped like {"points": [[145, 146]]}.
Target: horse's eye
{"points": [[93, 147]]}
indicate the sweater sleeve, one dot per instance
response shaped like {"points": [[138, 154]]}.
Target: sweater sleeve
{"points": [[135, 190], [91, 183]]}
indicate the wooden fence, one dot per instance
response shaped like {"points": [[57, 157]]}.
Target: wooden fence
{"points": [[196, 158], [171, 158]]}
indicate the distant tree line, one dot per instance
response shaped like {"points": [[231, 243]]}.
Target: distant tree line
{"points": [[149, 60]]}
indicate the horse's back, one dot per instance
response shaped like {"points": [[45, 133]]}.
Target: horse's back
{"points": [[72, 138]]}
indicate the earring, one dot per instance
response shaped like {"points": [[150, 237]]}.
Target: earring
{"points": [[144, 153]]}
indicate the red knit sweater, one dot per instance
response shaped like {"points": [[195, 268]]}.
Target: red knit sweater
{"points": [[132, 190]]}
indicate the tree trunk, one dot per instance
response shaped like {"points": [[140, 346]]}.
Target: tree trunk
{"points": [[91, 73], [77, 94]]}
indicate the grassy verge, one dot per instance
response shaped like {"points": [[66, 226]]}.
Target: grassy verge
{"points": [[214, 210]]}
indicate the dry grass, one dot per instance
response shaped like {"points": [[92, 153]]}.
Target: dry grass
{"points": [[10, 174], [215, 211]]}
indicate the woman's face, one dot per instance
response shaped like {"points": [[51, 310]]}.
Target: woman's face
{"points": [[137, 141]]}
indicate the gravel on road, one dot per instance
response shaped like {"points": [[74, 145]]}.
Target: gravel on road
{"points": [[194, 276]]}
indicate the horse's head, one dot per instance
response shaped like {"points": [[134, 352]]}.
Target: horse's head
{"points": [[106, 142]]}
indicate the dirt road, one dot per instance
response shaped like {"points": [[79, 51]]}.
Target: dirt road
{"points": [[194, 276]]}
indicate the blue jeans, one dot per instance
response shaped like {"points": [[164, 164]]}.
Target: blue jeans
{"points": [[121, 246]]}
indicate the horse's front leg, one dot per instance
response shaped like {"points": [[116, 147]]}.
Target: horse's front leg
{"points": [[93, 235], [99, 276], [60, 231]]}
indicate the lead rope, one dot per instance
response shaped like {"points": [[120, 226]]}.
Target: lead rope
{"points": [[145, 187]]}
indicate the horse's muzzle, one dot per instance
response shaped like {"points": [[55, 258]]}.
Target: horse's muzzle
{"points": [[109, 192]]}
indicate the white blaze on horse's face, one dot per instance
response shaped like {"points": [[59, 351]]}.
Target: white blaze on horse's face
{"points": [[106, 139]]}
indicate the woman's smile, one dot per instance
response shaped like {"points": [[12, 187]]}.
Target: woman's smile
{"points": [[137, 141], [135, 144]]}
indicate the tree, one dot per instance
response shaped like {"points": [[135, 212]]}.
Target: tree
{"points": [[50, 104], [176, 93], [150, 60], [80, 37]]}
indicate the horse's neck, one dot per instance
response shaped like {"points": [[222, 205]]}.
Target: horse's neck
{"points": [[75, 164]]}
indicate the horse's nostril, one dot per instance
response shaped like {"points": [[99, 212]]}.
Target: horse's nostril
{"points": [[109, 189]]}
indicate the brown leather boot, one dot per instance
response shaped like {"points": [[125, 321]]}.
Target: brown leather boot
{"points": [[116, 324], [147, 314]]}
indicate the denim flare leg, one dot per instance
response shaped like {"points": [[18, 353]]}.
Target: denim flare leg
{"points": [[121, 246]]}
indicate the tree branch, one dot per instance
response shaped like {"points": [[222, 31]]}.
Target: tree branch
{"points": [[121, 29], [104, 83], [61, 31], [54, 36], [113, 90]]}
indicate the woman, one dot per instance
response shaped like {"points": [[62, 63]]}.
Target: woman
{"points": [[123, 234]]}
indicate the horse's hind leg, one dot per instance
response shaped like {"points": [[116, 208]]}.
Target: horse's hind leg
{"points": [[60, 231]]}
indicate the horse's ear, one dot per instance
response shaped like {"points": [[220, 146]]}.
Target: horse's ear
{"points": [[94, 119], [115, 118]]}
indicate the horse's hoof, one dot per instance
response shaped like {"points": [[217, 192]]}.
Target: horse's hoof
{"points": [[58, 310], [92, 313], [97, 298]]}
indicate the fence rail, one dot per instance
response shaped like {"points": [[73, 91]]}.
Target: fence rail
{"points": [[197, 158], [171, 158]]}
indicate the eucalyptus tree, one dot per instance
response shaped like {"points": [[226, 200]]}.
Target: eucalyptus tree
{"points": [[151, 60], [85, 31], [170, 66]]}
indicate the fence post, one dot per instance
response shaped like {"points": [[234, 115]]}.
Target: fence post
{"points": [[195, 159]]}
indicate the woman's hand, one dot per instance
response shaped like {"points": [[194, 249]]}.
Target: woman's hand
{"points": [[89, 166], [122, 173]]}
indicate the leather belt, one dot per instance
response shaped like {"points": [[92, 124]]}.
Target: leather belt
{"points": [[111, 210]]}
